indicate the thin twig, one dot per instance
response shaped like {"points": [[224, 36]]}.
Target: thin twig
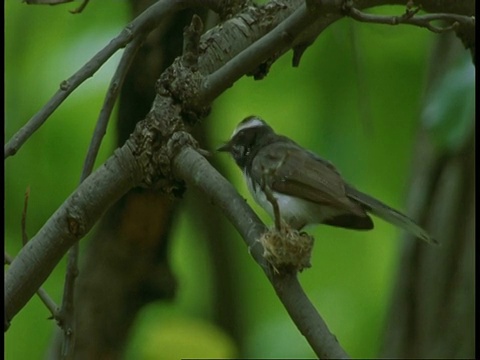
{"points": [[47, 2], [42, 294], [113, 90], [410, 18], [67, 311], [143, 24], [24, 217], [79, 9]]}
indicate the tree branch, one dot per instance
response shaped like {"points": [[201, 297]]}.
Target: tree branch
{"points": [[66, 314], [142, 25], [410, 18], [280, 38], [24, 217], [42, 294], [69, 223], [80, 8], [197, 172], [47, 2], [147, 156], [112, 93], [67, 311]]}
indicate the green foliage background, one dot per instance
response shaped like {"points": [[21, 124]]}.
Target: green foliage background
{"points": [[355, 100]]}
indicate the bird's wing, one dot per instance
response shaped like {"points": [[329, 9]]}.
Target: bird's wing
{"points": [[306, 177]]}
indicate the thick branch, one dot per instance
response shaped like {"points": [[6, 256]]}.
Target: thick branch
{"points": [[69, 223], [281, 38], [42, 294], [195, 170]]}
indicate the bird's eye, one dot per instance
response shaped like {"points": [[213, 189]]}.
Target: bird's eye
{"points": [[237, 151]]}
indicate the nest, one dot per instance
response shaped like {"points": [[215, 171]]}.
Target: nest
{"points": [[287, 249]]}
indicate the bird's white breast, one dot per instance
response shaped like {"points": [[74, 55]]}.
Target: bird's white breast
{"points": [[295, 211]]}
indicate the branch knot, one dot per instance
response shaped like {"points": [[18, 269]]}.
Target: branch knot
{"points": [[183, 83], [155, 142]]}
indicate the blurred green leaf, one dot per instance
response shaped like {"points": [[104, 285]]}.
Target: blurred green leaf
{"points": [[449, 110], [165, 336]]}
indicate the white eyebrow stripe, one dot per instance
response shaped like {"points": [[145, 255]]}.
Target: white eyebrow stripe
{"points": [[251, 123]]}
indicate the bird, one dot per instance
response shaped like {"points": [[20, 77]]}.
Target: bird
{"points": [[296, 186]]}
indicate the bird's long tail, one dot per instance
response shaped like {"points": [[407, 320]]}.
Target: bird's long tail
{"points": [[388, 214]]}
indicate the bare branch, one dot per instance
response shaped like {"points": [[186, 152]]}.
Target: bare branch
{"points": [[79, 9], [24, 217], [66, 316], [142, 25], [42, 294], [191, 42], [279, 39], [195, 169], [410, 17], [67, 311], [69, 223], [47, 2], [113, 90]]}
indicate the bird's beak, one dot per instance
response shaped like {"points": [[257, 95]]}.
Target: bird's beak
{"points": [[224, 147]]}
